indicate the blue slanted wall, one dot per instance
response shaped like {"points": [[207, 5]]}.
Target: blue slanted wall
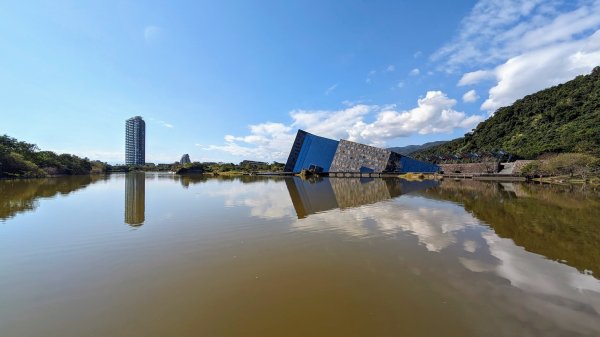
{"points": [[317, 151], [408, 164]]}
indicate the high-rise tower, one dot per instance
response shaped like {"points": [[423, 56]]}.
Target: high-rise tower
{"points": [[135, 141]]}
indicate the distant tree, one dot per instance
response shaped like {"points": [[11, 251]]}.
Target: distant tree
{"points": [[22, 159]]}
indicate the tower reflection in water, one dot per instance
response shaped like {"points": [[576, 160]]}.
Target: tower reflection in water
{"points": [[135, 198]]}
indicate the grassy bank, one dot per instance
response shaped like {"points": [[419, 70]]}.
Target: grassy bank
{"points": [[419, 176]]}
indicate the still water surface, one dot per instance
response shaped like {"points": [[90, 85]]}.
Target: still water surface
{"points": [[162, 255]]}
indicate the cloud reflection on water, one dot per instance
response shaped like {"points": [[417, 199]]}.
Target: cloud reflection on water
{"points": [[370, 208]]}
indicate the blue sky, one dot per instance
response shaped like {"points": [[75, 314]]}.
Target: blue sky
{"points": [[233, 80]]}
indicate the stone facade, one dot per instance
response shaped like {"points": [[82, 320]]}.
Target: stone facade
{"points": [[354, 192], [311, 152], [487, 167], [355, 157]]}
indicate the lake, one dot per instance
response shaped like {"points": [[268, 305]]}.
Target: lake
{"points": [[162, 255]]}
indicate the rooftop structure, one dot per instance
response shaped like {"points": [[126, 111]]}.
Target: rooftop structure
{"points": [[252, 162]]}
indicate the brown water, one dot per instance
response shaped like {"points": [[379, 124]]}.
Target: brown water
{"points": [[160, 255]]}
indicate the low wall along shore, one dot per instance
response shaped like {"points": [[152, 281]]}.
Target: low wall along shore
{"points": [[487, 167]]}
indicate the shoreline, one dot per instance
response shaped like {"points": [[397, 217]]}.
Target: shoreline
{"points": [[553, 180]]}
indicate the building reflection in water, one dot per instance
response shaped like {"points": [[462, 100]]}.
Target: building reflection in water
{"points": [[135, 198], [318, 195]]}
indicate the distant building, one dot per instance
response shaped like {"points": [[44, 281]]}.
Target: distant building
{"points": [[185, 159], [253, 163], [135, 141], [328, 155]]}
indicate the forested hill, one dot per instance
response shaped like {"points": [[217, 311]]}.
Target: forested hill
{"points": [[564, 118], [406, 150]]}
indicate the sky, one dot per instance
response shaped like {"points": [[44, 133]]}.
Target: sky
{"points": [[234, 80]]}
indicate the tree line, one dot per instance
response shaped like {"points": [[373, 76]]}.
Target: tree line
{"points": [[200, 167], [19, 159], [22, 159]]}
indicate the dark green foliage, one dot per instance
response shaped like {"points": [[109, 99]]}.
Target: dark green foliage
{"points": [[564, 118], [194, 167], [244, 166], [21, 159], [206, 167]]}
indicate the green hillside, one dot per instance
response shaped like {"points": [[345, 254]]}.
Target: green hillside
{"points": [[564, 118], [406, 150]]}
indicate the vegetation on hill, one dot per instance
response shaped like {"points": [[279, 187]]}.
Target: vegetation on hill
{"points": [[406, 150], [567, 166], [564, 118], [22, 159]]}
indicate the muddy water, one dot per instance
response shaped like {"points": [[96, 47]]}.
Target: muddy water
{"points": [[161, 255]]}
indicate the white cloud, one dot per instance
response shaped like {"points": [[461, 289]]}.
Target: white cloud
{"points": [[521, 283], [354, 102], [390, 68], [400, 84], [269, 200], [331, 124], [434, 223], [417, 54], [470, 96], [161, 123], [434, 114], [470, 246], [542, 68], [370, 76], [497, 30], [152, 33], [331, 89], [535, 274], [475, 77], [524, 46], [272, 141], [267, 141], [415, 72]]}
